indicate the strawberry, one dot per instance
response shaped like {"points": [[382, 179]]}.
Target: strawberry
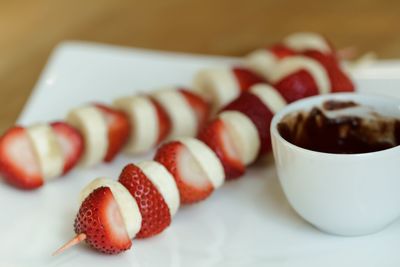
{"points": [[71, 142], [192, 182], [280, 51], [118, 130], [246, 78], [215, 135], [340, 82], [296, 86], [154, 210], [100, 220], [258, 113], [199, 105], [164, 121], [18, 163]]}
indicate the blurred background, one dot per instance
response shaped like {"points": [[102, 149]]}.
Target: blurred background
{"points": [[30, 29]]}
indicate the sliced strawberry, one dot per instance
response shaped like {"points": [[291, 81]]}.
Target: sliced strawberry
{"points": [[71, 142], [250, 105], [118, 130], [246, 78], [340, 82], [192, 182], [215, 135], [154, 210], [18, 163], [296, 86], [100, 219], [200, 106], [164, 121], [281, 51]]}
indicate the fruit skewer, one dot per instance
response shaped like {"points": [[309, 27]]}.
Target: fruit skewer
{"points": [[306, 57], [95, 133]]}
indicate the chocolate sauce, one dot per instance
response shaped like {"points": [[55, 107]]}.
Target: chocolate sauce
{"points": [[336, 105], [332, 129]]}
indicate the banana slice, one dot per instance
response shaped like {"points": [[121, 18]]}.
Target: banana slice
{"points": [[244, 134], [302, 41], [262, 62], [293, 64], [218, 86], [183, 117], [207, 160], [269, 96], [144, 120], [47, 150], [92, 125], [164, 182], [126, 203]]}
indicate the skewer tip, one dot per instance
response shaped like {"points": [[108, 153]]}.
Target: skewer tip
{"points": [[348, 53], [74, 241]]}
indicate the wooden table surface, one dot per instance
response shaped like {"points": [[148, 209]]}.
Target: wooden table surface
{"points": [[29, 30]]}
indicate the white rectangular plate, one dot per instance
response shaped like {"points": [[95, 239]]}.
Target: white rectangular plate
{"points": [[247, 222]]}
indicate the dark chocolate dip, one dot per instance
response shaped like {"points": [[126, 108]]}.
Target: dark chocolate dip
{"points": [[341, 127]]}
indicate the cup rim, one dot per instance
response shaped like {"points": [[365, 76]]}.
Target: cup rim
{"points": [[318, 99]]}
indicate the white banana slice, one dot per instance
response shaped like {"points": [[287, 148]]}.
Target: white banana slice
{"points": [[293, 64], [207, 159], [47, 150], [269, 96], [144, 120], [164, 182], [243, 133], [218, 86], [126, 203], [302, 41], [262, 62], [183, 118], [93, 127]]}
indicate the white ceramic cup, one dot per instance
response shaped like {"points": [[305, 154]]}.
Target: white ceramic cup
{"points": [[343, 194]]}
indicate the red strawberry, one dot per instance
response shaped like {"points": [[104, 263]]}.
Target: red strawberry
{"points": [[118, 130], [246, 78], [71, 142], [163, 120], [193, 185], [100, 220], [200, 106], [18, 163], [340, 82], [296, 86], [281, 51], [154, 210], [215, 135], [258, 113]]}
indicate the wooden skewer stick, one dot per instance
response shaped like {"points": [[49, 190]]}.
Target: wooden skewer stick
{"points": [[74, 241], [347, 53]]}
